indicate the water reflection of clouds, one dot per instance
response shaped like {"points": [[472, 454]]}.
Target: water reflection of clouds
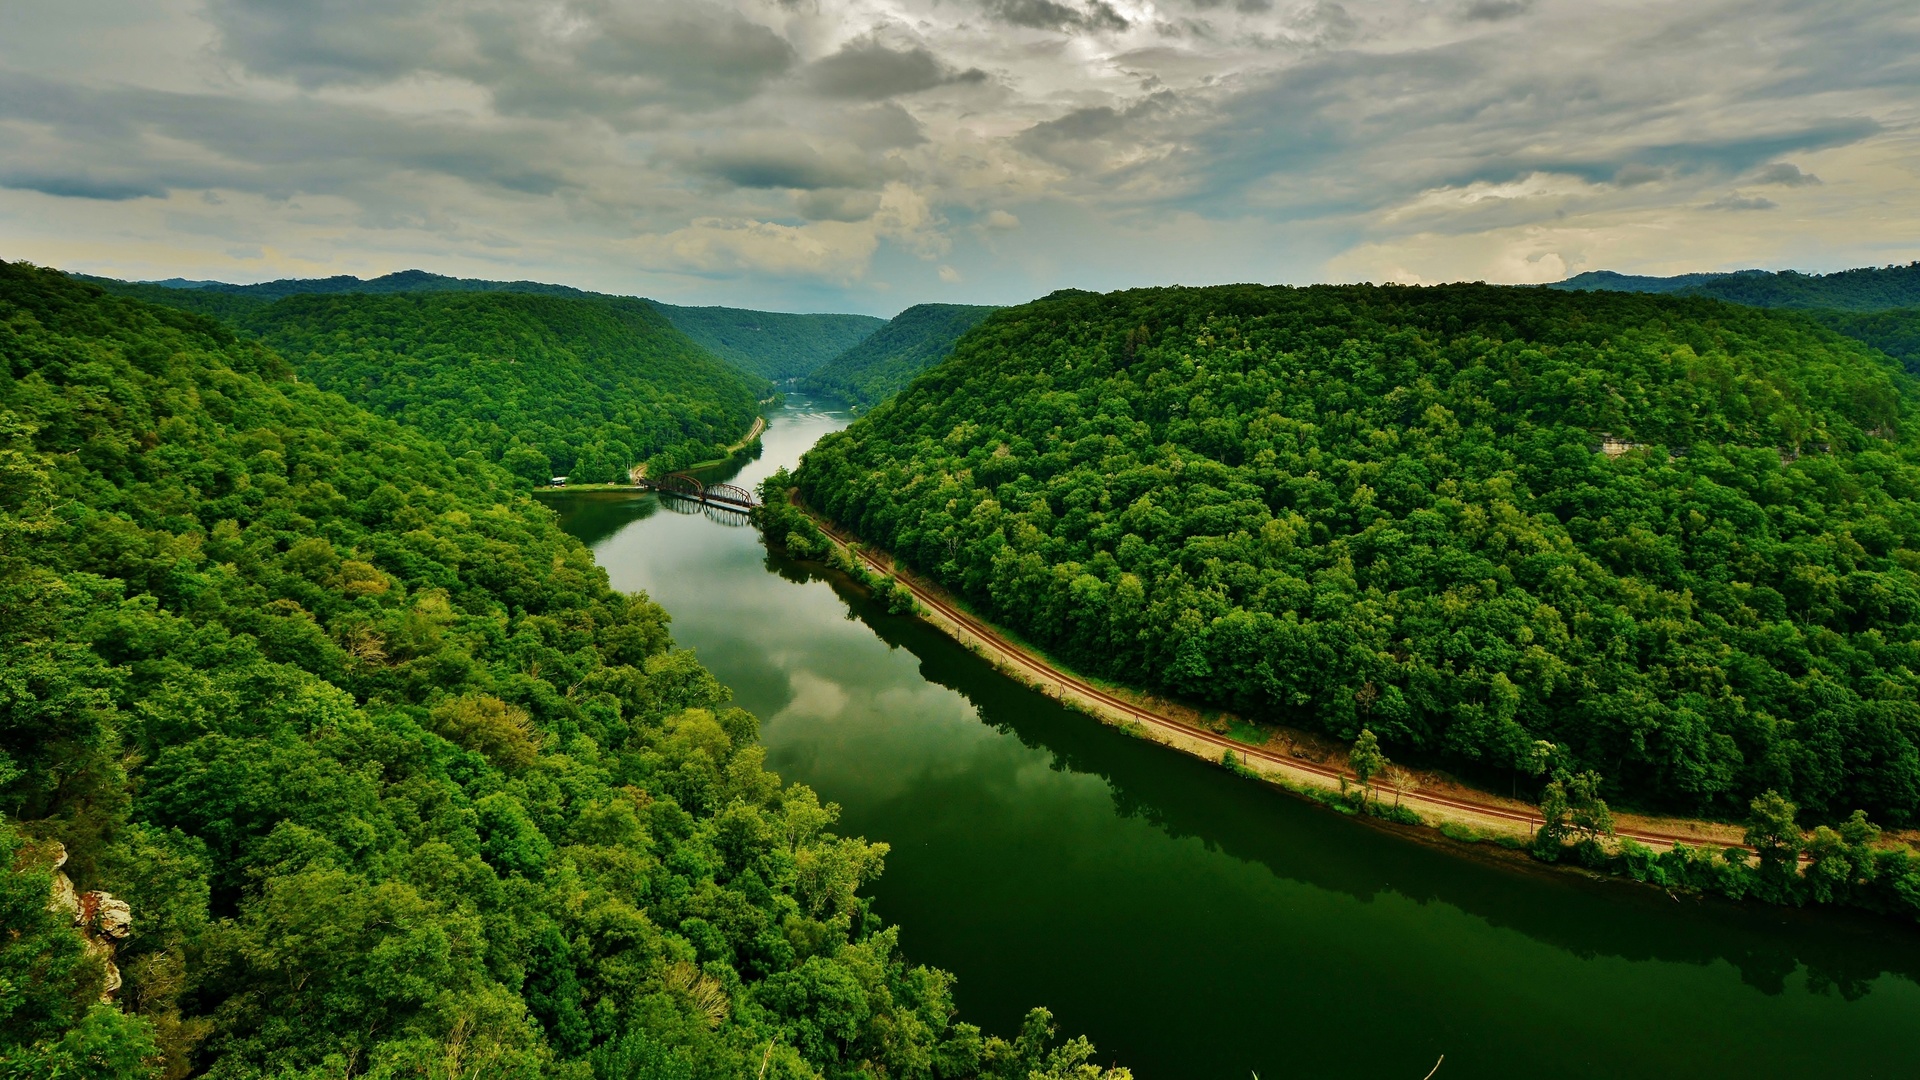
{"points": [[876, 738], [814, 698]]}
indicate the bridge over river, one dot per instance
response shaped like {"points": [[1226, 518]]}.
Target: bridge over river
{"points": [[690, 490]]}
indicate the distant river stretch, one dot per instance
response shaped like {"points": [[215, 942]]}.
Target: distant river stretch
{"points": [[1197, 925]]}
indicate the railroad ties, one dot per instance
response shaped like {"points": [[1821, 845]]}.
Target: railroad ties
{"points": [[724, 502]]}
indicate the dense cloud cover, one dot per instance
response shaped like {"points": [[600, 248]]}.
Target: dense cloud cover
{"points": [[873, 153]]}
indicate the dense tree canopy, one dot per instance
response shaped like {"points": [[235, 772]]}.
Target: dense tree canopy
{"points": [[771, 344], [1868, 288], [585, 386], [1674, 538], [883, 365], [404, 281], [542, 384], [766, 344], [1895, 332], [395, 784]]}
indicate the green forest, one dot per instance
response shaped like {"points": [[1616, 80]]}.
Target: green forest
{"points": [[403, 281], [230, 303], [1895, 331], [1517, 532], [579, 385], [766, 344], [544, 385], [772, 345], [883, 365], [1877, 305], [394, 784], [1867, 288]]}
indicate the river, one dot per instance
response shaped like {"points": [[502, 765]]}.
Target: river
{"points": [[1194, 924]]}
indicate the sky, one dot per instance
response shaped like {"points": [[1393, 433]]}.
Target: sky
{"points": [[866, 155]]}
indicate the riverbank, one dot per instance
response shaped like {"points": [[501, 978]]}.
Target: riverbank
{"points": [[1041, 858], [1301, 764], [639, 472], [753, 433]]}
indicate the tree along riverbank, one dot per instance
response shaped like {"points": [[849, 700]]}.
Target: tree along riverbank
{"points": [[743, 448], [639, 472], [1769, 859]]}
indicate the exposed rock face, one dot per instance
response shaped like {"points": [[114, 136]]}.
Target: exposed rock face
{"points": [[100, 918], [112, 919]]}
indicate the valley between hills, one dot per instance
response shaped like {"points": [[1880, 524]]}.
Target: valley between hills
{"points": [[381, 753]]}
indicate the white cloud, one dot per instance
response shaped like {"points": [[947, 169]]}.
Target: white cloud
{"points": [[755, 150]]}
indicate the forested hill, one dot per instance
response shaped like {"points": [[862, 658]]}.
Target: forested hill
{"points": [[579, 386], [769, 344], [553, 382], [1612, 281], [393, 782], [404, 281], [1895, 332], [772, 345], [1675, 539], [882, 365], [1865, 289]]}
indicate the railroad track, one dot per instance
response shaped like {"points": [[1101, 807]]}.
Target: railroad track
{"points": [[1284, 762]]}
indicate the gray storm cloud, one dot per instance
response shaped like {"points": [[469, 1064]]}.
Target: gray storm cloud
{"points": [[872, 71], [784, 162], [840, 150]]}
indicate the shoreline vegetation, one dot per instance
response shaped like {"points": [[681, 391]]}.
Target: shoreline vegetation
{"points": [[1768, 858], [1656, 551], [745, 446]]}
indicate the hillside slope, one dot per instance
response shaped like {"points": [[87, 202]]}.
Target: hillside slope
{"points": [[767, 344], [579, 386], [883, 364], [1895, 331], [1612, 281], [772, 345], [1865, 289], [403, 281], [394, 783], [1389, 507]]}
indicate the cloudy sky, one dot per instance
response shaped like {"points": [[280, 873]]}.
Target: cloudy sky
{"points": [[864, 155]]}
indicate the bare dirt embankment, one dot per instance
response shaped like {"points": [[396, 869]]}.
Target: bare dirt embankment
{"points": [[1294, 759]]}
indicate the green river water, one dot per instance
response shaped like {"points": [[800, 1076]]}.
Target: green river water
{"points": [[1194, 924]]}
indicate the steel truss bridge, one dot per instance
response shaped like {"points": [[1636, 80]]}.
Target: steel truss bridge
{"points": [[684, 492]]}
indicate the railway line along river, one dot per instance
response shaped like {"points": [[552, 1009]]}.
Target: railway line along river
{"points": [[1195, 924]]}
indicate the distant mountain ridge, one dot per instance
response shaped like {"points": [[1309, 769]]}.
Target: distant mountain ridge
{"points": [[1868, 288], [1610, 281], [545, 380], [883, 364], [398, 282], [584, 386], [770, 344]]}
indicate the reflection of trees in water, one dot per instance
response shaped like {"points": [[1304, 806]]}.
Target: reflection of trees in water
{"points": [[1188, 798], [1587, 917], [689, 506], [593, 516]]}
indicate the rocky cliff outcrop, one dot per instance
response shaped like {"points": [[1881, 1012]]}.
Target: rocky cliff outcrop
{"points": [[101, 920]]}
